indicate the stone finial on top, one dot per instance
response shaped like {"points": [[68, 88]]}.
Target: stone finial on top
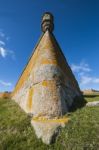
{"points": [[47, 22]]}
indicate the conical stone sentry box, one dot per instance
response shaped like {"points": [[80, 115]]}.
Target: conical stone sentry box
{"points": [[47, 87]]}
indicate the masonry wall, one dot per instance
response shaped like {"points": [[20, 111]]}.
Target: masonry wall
{"points": [[47, 86]]}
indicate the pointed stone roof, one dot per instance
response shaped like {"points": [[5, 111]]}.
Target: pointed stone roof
{"points": [[47, 51], [47, 87]]}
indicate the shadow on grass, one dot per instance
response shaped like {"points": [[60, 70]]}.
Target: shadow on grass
{"points": [[78, 103], [91, 96]]}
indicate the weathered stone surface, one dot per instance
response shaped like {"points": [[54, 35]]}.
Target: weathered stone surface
{"points": [[47, 86], [44, 67], [47, 129], [47, 22]]}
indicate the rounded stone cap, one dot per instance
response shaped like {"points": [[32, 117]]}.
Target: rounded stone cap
{"points": [[47, 22]]}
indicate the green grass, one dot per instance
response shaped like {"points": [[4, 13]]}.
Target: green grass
{"points": [[16, 132], [91, 98]]}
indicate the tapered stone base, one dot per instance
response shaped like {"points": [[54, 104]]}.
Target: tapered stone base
{"points": [[48, 129]]}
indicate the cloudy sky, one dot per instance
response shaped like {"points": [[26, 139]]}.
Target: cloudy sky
{"points": [[76, 29]]}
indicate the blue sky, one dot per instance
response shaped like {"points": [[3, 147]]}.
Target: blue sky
{"points": [[76, 30]]}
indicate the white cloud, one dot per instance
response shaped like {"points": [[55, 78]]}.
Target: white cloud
{"points": [[5, 83], [3, 52], [89, 80], [81, 67], [84, 75], [85, 80], [96, 80], [2, 43]]}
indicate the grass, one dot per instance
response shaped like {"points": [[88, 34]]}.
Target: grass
{"points": [[16, 132], [91, 98]]}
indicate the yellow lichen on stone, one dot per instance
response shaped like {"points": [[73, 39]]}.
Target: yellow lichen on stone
{"points": [[53, 56], [26, 72], [48, 61], [48, 83], [45, 83], [35, 59], [43, 119], [30, 98]]}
